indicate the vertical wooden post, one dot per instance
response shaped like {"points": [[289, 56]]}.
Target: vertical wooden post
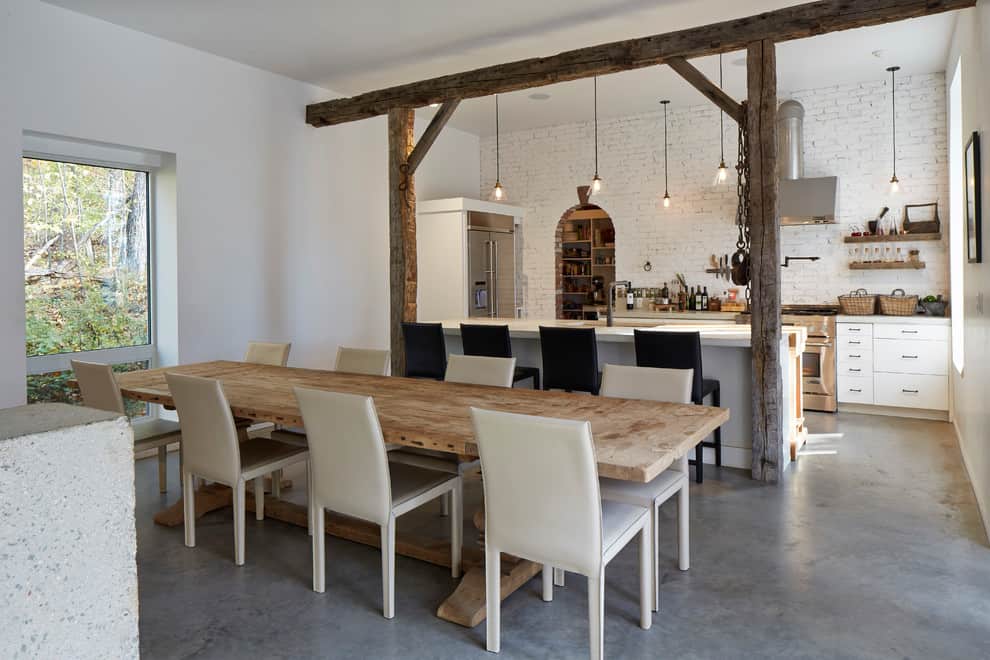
{"points": [[761, 121], [401, 232]]}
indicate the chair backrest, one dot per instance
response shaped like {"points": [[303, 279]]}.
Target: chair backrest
{"points": [[426, 351], [541, 489], [485, 339], [671, 350], [347, 454], [480, 370], [649, 383], [570, 359], [98, 386], [264, 352], [209, 437], [368, 361]]}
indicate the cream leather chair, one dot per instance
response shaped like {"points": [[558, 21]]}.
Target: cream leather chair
{"points": [[652, 384], [352, 476], [469, 370], [99, 390], [270, 353], [542, 503], [212, 449], [367, 361]]}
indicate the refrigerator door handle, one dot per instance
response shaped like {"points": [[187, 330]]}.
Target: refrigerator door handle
{"points": [[494, 279]]}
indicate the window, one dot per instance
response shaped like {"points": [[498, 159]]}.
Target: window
{"points": [[87, 283]]}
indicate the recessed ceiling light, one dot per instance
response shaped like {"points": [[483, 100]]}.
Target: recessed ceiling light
{"points": [[879, 53], [539, 96]]}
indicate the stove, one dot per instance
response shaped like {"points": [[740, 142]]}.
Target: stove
{"points": [[818, 381]]}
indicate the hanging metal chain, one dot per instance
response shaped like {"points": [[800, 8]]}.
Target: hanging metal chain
{"points": [[743, 217]]}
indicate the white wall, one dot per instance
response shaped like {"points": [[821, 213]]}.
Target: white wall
{"points": [[972, 414], [847, 134], [281, 227], [12, 363]]}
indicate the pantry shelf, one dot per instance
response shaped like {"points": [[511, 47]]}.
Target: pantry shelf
{"points": [[887, 265]]}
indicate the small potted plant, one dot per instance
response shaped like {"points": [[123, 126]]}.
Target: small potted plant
{"points": [[933, 305]]}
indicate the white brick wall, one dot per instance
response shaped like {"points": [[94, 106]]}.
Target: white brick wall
{"points": [[846, 134]]}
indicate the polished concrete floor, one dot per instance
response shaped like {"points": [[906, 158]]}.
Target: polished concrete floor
{"points": [[872, 547]]}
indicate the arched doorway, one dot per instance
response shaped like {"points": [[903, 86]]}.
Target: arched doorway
{"points": [[585, 260]]}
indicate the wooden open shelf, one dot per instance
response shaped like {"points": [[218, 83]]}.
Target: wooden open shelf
{"points": [[897, 238], [887, 265]]}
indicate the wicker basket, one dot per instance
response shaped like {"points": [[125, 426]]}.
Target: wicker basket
{"points": [[858, 303], [898, 304]]}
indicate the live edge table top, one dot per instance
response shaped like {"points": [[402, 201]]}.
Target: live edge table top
{"points": [[634, 440]]}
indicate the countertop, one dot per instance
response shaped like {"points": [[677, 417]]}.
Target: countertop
{"points": [[712, 334], [895, 320]]}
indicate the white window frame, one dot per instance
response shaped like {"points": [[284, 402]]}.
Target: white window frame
{"points": [[45, 364]]}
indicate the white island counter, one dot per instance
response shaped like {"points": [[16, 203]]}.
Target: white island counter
{"points": [[726, 356]]}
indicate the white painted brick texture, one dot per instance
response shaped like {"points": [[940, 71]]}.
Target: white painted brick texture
{"points": [[847, 133]]}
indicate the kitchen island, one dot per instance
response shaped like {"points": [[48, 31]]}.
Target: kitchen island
{"points": [[726, 355]]}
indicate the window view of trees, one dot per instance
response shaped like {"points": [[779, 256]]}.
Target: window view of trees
{"points": [[85, 267], [85, 257]]}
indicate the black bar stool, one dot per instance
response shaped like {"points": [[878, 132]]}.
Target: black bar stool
{"points": [[426, 352], [570, 359], [682, 350], [494, 341]]}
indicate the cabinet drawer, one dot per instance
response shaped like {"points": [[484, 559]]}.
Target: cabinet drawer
{"points": [[854, 342], [908, 356], [912, 391], [855, 389], [859, 357], [864, 330], [920, 332], [854, 369]]}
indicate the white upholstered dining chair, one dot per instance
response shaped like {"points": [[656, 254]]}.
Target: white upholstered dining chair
{"points": [[653, 384], [211, 448], [367, 361], [542, 503], [468, 370], [351, 475], [99, 390], [266, 352]]}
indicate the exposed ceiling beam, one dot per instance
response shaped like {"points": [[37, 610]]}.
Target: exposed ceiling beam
{"points": [[430, 135], [712, 91], [795, 22]]}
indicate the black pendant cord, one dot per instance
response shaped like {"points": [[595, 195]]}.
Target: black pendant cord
{"points": [[721, 117], [893, 118], [666, 187], [497, 164], [596, 126]]}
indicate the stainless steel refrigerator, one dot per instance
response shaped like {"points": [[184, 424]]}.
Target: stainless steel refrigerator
{"points": [[491, 265]]}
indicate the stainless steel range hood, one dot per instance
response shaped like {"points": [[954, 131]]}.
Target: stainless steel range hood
{"points": [[802, 201]]}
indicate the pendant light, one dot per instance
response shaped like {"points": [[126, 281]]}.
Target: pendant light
{"points": [[666, 192], [722, 175], [596, 181], [498, 192], [895, 185]]}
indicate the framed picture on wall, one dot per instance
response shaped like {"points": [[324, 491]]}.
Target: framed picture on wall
{"points": [[974, 229]]}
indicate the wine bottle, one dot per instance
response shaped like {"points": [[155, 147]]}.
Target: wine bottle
{"points": [[690, 301], [664, 295], [704, 299], [630, 298]]}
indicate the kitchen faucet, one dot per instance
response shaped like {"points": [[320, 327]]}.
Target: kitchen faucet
{"points": [[609, 321]]}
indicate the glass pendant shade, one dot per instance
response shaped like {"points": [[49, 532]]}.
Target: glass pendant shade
{"points": [[596, 184], [498, 192]]}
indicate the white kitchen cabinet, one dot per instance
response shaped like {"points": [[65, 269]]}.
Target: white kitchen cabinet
{"points": [[893, 362]]}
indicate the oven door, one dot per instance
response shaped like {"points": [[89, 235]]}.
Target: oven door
{"points": [[818, 375]]}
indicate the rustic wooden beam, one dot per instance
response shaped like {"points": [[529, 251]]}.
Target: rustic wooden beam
{"points": [[431, 134], [761, 122], [401, 232], [701, 83], [795, 22]]}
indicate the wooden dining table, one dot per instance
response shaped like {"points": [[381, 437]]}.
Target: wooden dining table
{"points": [[635, 440]]}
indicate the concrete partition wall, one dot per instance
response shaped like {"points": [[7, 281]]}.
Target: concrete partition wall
{"points": [[68, 576]]}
